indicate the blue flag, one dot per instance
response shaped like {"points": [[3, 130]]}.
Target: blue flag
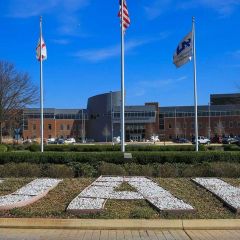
{"points": [[184, 51]]}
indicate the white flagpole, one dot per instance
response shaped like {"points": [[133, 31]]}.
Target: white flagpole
{"points": [[41, 85], [122, 84], [112, 116], [195, 84]]}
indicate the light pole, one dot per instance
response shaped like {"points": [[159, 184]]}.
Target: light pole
{"points": [[82, 126], [175, 122], [209, 121], [185, 127], [111, 117]]}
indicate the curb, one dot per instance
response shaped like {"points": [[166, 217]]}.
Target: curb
{"points": [[211, 224], [122, 224]]}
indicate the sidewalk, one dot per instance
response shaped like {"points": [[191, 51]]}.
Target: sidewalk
{"points": [[63, 234]]}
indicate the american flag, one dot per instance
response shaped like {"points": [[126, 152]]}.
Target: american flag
{"points": [[126, 18]]}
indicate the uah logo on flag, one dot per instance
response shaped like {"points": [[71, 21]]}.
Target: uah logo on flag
{"points": [[183, 53]]}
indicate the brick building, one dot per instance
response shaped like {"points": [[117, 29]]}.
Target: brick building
{"points": [[101, 119], [58, 123]]}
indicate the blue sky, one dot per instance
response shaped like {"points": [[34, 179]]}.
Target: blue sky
{"points": [[83, 43]]}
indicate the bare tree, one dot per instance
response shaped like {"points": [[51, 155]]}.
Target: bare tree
{"points": [[178, 130], [150, 130], [219, 129], [16, 93], [106, 133]]}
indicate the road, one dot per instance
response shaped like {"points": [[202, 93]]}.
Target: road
{"points": [[42, 234]]}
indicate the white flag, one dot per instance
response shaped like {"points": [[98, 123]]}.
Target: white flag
{"points": [[43, 51], [184, 51]]}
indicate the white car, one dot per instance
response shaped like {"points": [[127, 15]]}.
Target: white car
{"points": [[154, 139], [70, 141], [117, 139], [26, 141], [51, 140], [203, 140]]}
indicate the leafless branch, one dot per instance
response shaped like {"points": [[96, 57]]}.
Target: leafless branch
{"points": [[16, 92]]}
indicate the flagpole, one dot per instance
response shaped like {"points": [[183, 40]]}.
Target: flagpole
{"points": [[122, 83], [41, 86], [195, 85]]}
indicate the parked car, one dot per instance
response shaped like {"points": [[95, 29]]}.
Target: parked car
{"points": [[117, 139], [230, 140], [202, 140], [51, 140], [60, 141], [154, 139], [70, 141], [216, 139], [181, 140], [27, 141], [238, 139]]}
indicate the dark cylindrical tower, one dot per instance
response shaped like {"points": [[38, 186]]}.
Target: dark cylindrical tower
{"points": [[99, 110]]}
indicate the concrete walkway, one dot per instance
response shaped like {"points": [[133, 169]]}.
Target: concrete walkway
{"points": [[57, 234], [114, 229]]}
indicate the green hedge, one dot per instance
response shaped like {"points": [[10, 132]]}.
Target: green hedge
{"points": [[113, 148], [60, 157], [214, 169], [3, 148], [231, 147], [116, 148], [117, 157]]}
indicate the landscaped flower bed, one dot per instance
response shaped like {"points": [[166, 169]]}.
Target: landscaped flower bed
{"points": [[225, 192], [159, 197], [28, 194], [104, 188], [55, 203]]}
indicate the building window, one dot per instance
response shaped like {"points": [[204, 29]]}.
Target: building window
{"points": [[170, 125], [161, 126], [49, 126], [238, 124], [49, 136], [68, 127], [62, 127], [231, 124], [34, 127]]}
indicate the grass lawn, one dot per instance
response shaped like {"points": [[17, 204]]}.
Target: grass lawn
{"points": [[56, 202]]}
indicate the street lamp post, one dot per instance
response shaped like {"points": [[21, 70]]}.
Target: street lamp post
{"points": [[209, 121], [111, 117]]}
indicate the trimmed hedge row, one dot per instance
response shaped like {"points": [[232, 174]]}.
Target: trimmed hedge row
{"points": [[143, 158], [133, 148], [231, 147], [3, 148], [114, 148], [214, 169], [103, 148]]}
